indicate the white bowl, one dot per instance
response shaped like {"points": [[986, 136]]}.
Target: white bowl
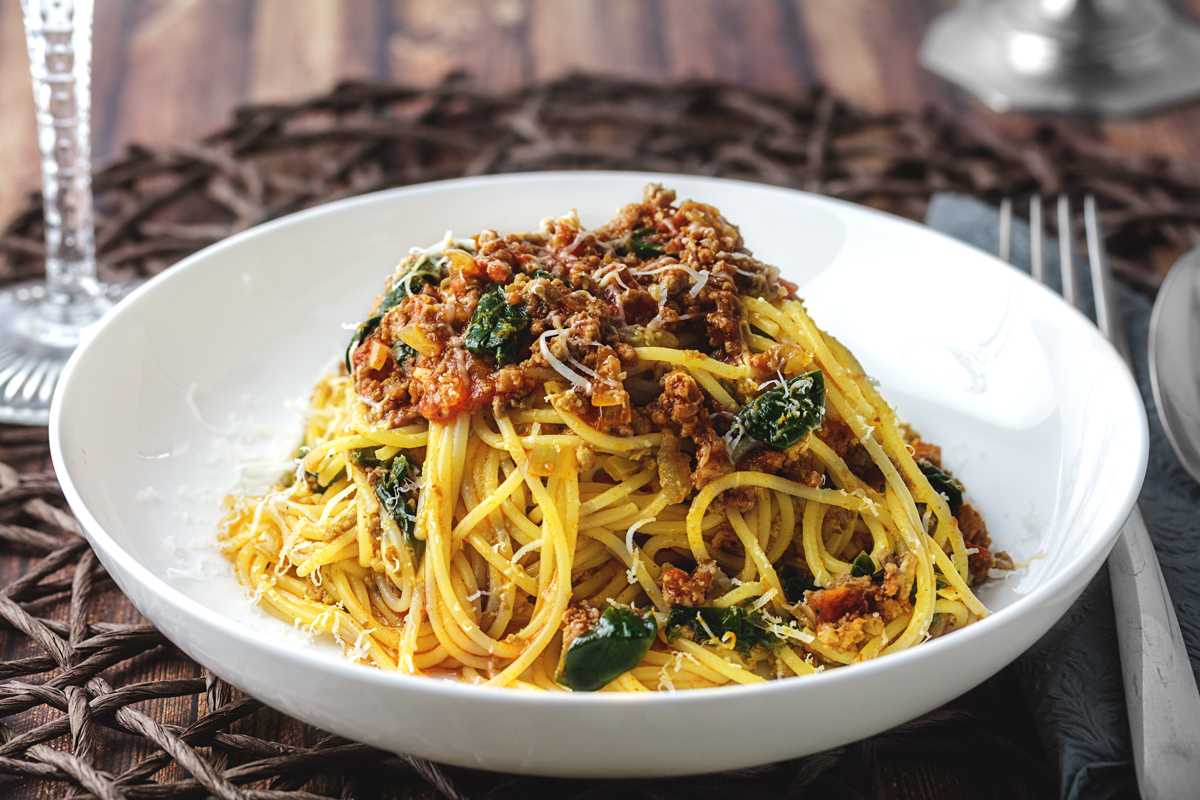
{"points": [[185, 384]]}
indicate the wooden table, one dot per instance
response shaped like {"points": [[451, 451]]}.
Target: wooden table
{"points": [[168, 70], [171, 70]]}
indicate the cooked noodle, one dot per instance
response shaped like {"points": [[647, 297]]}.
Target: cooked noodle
{"points": [[464, 505]]}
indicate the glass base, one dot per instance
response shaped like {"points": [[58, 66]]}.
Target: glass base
{"points": [[1110, 67], [37, 336]]}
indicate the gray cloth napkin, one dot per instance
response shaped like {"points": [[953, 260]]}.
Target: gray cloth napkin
{"points": [[1072, 676]]}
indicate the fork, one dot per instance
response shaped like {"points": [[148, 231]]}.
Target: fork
{"points": [[1160, 688]]}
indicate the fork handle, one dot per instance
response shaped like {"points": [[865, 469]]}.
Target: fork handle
{"points": [[1160, 687]]}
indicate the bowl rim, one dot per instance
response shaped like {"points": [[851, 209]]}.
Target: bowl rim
{"points": [[379, 679]]}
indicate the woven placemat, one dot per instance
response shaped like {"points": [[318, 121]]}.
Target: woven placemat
{"points": [[97, 703]]}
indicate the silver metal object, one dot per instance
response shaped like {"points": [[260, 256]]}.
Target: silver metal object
{"points": [[41, 321], [1160, 688], [1175, 359], [1105, 58]]}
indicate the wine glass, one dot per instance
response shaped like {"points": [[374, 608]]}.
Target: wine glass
{"points": [[41, 321]]}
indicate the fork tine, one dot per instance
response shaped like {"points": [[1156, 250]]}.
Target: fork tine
{"points": [[1004, 249], [1037, 240], [1070, 283], [1108, 314]]}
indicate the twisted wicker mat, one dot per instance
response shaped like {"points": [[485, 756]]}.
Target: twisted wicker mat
{"points": [[96, 703]]}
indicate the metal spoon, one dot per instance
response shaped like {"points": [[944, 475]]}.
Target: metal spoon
{"points": [[1175, 359]]}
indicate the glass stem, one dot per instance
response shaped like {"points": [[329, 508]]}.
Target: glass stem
{"points": [[59, 36]]}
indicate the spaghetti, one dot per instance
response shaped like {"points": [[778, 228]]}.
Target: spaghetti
{"points": [[622, 459]]}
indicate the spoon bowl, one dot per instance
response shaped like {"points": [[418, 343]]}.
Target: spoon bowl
{"points": [[1175, 359]]}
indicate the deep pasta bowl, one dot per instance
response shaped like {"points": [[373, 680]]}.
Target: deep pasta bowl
{"points": [[191, 390]]}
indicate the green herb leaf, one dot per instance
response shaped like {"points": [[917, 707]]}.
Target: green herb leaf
{"points": [[426, 269], [360, 333], [795, 583], [785, 415], [617, 644], [750, 627], [495, 328], [314, 483], [402, 352], [862, 566], [541, 273], [944, 484], [366, 456], [645, 250], [396, 490], [640, 245]]}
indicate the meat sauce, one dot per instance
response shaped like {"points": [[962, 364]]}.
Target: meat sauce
{"points": [[659, 273]]}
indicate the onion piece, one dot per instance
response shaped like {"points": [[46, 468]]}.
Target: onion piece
{"points": [[417, 339], [674, 469]]}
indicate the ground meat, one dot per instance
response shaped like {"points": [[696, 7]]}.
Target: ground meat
{"points": [[980, 561], [804, 468], [795, 463], [972, 525], [854, 609], [724, 324], [847, 597], [841, 439], [837, 521], [682, 404], [578, 619], [725, 539], [898, 575], [923, 451], [837, 435], [762, 459], [775, 359], [680, 589], [592, 286], [848, 633], [859, 462], [461, 383], [741, 498]]}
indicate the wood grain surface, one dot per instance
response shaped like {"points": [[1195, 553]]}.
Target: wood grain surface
{"points": [[172, 70]]}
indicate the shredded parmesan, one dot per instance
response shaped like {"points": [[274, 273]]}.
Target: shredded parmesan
{"points": [[560, 367]]}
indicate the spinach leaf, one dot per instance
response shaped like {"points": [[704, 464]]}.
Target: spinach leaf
{"points": [[396, 490], [495, 328], [402, 352], [795, 583], [639, 244], [749, 627], [617, 644], [366, 456], [862, 566], [940, 583], [784, 415], [426, 269], [944, 484], [314, 483], [644, 249], [360, 333]]}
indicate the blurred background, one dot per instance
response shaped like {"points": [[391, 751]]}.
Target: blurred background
{"points": [[173, 70]]}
